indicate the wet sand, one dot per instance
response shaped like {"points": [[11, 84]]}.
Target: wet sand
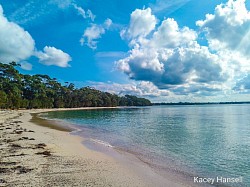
{"points": [[35, 155]]}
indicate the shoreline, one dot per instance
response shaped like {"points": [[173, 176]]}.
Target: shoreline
{"points": [[62, 147]]}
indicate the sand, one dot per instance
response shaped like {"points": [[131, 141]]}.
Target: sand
{"points": [[33, 155]]}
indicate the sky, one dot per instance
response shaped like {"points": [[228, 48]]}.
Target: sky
{"points": [[164, 50]]}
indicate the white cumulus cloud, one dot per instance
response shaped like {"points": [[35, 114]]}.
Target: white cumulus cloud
{"points": [[171, 57], [228, 27], [140, 89], [52, 56], [142, 22], [94, 32], [107, 23], [243, 85], [16, 43], [169, 35], [26, 65]]}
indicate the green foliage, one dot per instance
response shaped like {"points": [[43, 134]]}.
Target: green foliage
{"points": [[41, 91]]}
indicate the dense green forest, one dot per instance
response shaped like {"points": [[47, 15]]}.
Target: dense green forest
{"points": [[40, 91]]}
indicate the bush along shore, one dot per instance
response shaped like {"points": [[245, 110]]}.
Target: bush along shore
{"points": [[40, 91]]}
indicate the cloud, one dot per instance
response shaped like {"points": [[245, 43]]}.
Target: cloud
{"points": [[26, 66], [62, 3], [110, 54], [16, 43], [90, 15], [203, 89], [142, 22], [170, 56], [243, 85], [19, 46], [80, 10], [227, 32], [91, 34], [228, 28], [36, 11], [94, 32], [169, 35], [30, 12], [172, 59], [140, 89], [169, 6], [83, 13], [166, 67], [52, 56], [107, 23]]}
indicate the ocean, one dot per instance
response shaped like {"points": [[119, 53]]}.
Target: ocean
{"points": [[205, 141]]}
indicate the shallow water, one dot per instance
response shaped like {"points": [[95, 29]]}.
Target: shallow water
{"points": [[198, 140]]}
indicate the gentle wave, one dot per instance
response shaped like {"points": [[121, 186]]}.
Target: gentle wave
{"points": [[106, 144]]}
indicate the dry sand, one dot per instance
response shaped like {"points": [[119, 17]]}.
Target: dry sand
{"points": [[33, 155]]}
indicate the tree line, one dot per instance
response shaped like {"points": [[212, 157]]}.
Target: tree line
{"points": [[40, 91]]}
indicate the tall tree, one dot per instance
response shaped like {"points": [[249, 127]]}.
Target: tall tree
{"points": [[41, 91]]}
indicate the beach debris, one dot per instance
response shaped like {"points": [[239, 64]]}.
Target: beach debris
{"points": [[9, 141], [22, 154], [40, 146], [16, 146], [17, 122], [18, 132], [3, 181], [22, 169], [4, 170], [45, 153], [8, 163], [25, 138]]}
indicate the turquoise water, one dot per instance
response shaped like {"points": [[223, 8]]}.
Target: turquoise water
{"points": [[201, 140]]}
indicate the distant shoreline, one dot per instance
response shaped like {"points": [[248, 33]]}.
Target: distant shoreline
{"points": [[203, 103]]}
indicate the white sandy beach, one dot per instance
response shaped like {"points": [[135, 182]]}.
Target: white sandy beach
{"points": [[32, 155]]}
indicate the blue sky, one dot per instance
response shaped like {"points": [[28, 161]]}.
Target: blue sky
{"points": [[165, 50]]}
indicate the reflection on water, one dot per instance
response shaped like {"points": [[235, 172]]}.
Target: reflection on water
{"points": [[208, 140]]}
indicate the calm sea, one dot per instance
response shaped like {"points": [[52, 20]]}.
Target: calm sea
{"points": [[201, 140]]}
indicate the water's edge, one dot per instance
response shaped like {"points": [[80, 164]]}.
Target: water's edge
{"points": [[172, 143], [133, 160]]}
